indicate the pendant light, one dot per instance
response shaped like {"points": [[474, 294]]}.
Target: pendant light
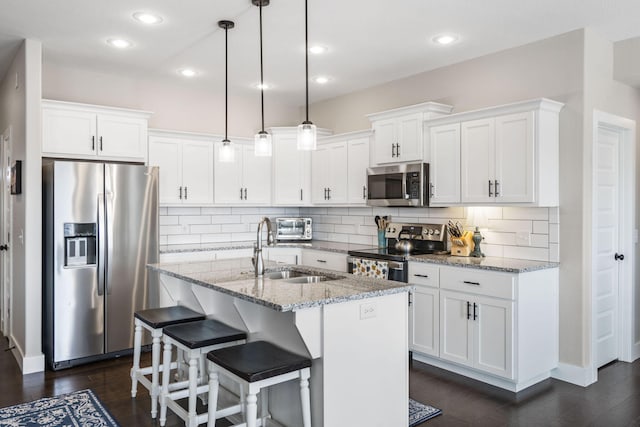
{"points": [[307, 132], [263, 145], [226, 152]]}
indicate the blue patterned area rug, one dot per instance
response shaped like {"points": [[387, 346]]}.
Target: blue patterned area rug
{"points": [[77, 409], [419, 413]]}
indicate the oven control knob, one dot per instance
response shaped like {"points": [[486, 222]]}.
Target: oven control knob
{"points": [[437, 232], [431, 231]]}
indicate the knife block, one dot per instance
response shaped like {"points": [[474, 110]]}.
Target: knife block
{"points": [[462, 246]]}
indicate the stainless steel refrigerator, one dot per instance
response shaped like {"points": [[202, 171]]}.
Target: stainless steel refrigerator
{"points": [[100, 229]]}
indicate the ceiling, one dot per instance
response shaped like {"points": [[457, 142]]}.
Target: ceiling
{"points": [[370, 42]]}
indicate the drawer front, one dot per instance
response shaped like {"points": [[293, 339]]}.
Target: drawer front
{"points": [[322, 259], [424, 274], [495, 284]]}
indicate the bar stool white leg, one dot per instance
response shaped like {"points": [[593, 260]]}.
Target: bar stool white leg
{"points": [[213, 396], [194, 357], [305, 398], [166, 369], [252, 407], [264, 405], [156, 334], [137, 344]]}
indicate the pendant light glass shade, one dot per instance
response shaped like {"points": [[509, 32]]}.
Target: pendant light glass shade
{"points": [[263, 145], [307, 132], [307, 136], [262, 140], [226, 153]]}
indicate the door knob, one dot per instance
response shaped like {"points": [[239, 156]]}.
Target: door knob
{"points": [[619, 257], [4, 247]]}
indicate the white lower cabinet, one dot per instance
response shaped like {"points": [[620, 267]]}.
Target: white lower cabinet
{"points": [[424, 310], [477, 331], [284, 255], [496, 327], [324, 259]]}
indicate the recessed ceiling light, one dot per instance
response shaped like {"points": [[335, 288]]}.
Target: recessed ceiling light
{"points": [[445, 39], [263, 86], [321, 79], [187, 72], [119, 43], [147, 18], [318, 49]]}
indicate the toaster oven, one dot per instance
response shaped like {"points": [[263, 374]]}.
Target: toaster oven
{"points": [[293, 229]]}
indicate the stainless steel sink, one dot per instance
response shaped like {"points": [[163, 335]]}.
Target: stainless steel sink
{"points": [[296, 276]]}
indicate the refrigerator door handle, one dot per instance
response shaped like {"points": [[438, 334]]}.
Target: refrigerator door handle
{"points": [[101, 244], [109, 243]]}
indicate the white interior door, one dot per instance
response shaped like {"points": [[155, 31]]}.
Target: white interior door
{"points": [[607, 236]]}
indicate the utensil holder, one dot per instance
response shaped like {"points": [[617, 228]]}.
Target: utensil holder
{"points": [[462, 246], [382, 241]]}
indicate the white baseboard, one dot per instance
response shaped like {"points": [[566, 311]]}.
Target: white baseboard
{"points": [[28, 365], [573, 374], [635, 351]]}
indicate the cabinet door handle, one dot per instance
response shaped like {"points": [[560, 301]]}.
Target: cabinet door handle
{"points": [[301, 194], [468, 310], [398, 150], [471, 283], [475, 314], [328, 193], [240, 193], [496, 187], [100, 143], [323, 261], [93, 143], [245, 193], [180, 194], [431, 190], [422, 275], [185, 193], [490, 188], [393, 150], [364, 192], [410, 298]]}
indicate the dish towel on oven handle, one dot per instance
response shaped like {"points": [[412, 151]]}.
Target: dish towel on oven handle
{"points": [[371, 268]]}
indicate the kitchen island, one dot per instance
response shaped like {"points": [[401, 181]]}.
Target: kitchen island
{"points": [[355, 330]]}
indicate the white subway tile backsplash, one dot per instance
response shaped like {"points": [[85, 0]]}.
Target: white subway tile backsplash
{"points": [[194, 219], [243, 237], [183, 211], [193, 225], [162, 211], [541, 227], [510, 225], [554, 233]]}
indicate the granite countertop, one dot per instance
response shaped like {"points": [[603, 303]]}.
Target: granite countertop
{"points": [[507, 265], [235, 277]]}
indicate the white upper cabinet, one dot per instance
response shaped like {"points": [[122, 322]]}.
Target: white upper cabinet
{"points": [[398, 133], [81, 131], [444, 164], [339, 170], [508, 155], [358, 161], [291, 169], [186, 167], [246, 180]]}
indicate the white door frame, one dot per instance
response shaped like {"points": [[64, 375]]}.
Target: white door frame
{"points": [[628, 350], [5, 226]]}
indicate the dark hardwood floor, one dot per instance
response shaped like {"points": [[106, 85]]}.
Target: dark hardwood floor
{"points": [[613, 401]]}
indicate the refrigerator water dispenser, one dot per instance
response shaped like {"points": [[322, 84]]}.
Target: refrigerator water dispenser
{"points": [[80, 244]]}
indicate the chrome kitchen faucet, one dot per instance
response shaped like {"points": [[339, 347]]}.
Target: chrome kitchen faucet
{"points": [[257, 260]]}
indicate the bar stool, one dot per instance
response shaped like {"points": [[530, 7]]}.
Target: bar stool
{"points": [[195, 339], [257, 365], [154, 320]]}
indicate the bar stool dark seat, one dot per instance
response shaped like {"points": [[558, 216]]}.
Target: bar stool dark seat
{"points": [[154, 320], [257, 365], [194, 339]]}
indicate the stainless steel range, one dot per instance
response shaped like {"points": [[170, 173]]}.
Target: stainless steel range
{"points": [[404, 240]]}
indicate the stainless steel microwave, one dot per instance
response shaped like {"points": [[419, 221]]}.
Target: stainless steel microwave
{"points": [[404, 184], [293, 229]]}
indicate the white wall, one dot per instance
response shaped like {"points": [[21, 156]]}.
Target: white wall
{"points": [[176, 105], [20, 109]]}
